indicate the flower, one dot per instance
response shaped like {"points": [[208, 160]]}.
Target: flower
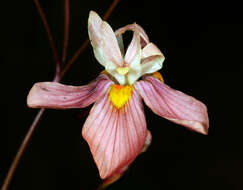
{"points": [[116, 127]]}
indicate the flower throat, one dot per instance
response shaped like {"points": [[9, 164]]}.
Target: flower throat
{"points": [[120, 94]]}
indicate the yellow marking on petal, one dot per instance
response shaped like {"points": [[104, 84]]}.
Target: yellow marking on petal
{"points": [[122, 70], [119, 94], [158, 76]]}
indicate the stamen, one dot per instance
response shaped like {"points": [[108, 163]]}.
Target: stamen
{"points": [[119, 94], [122, 70]]}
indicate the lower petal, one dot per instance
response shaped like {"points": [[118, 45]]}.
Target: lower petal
{"points": [[174, 105], [115, 136]]}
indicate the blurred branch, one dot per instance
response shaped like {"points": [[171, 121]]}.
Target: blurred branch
{"points": [[66, 30], [50, 37], [21, 149], [110, 10]]}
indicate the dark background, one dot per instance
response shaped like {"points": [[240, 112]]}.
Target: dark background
{"points": [[202, 42]]}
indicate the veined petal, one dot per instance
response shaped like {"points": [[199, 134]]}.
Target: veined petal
{"points": [[173, 105], [104, 41], [115, 136], [117, 176], [59, 96], [133, 27]]}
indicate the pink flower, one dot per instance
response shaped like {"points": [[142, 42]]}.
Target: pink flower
{"points": [[116, 127]]}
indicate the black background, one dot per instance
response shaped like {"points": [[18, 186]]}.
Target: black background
{"points": [[202, 42]]}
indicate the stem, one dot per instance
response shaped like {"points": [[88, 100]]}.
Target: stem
{"points": [[21, 149], [50, 37], [74, 58], [58, 76], [110, 9], [66, 30], [85, 44]]}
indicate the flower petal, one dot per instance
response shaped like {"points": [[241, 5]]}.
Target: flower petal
{"points": [[152, 59], [150, 50], [133, 58], [110, 45], [152, 64], [59, 96], [133, 27], [104, 41], [115, 136], [174, 105], [95, 36]]}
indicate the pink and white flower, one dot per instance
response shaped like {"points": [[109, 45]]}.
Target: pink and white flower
{"points": [[116, 126]]}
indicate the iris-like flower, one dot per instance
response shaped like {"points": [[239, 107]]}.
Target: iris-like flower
{"points": [[116, 127]]}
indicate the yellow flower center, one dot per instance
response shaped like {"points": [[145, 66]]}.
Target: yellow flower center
{"points": [[119, 94], [158, 76]]}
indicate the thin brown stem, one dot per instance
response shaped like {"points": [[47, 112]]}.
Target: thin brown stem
{"points": [[74, 58], [66, 30], [110, 9], [85, 44], [49, 34], [21, 149]]}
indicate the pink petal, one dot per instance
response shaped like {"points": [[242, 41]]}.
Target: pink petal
{"points": [[103, 38], [133, 27], [59, 96], [133, 51], [174, 105], [115, 137]]}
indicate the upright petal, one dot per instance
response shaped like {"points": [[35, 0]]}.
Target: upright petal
{"points": [[59, 96], [133, 58], [104, 41], [173, 105], [115, 136], [150, 50], [95, 36], [152, 59], [133, 27], [110, 45]]}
